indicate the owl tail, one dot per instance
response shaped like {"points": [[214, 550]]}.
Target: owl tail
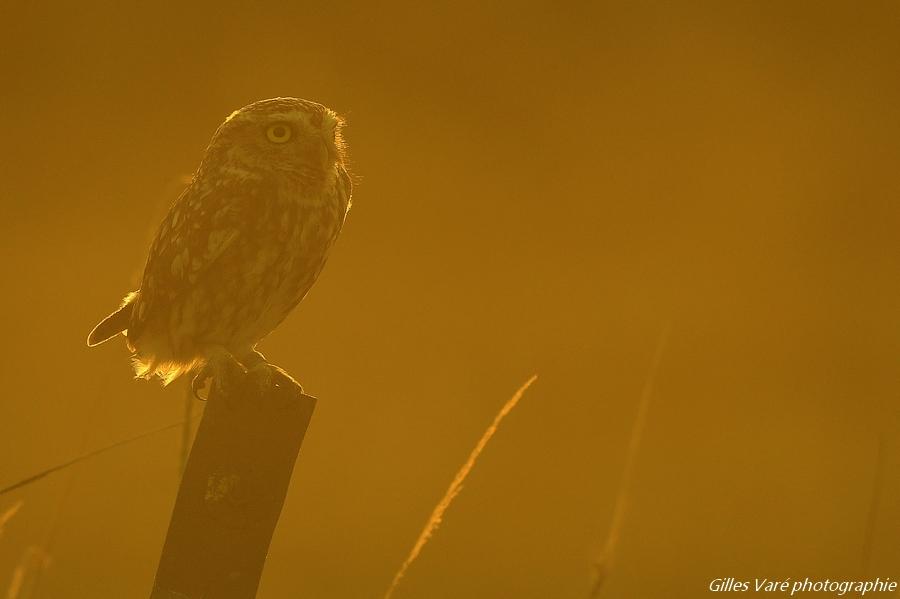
{"points": [[115, 323]]}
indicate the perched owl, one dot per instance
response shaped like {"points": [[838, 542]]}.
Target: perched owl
{"points": [[242, 245]]}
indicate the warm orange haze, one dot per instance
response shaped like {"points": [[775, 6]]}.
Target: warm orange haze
{"points": [[684, 219]]}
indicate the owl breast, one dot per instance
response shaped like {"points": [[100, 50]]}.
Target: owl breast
{"points": [[282, 259], [301, 247], [227, 275]]}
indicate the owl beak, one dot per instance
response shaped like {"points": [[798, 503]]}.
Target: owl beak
{"points": [[315, 154]]}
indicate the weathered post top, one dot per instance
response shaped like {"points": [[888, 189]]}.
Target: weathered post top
{"points": [[234, 486]]}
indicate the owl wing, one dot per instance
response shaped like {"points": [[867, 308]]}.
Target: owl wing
{"points": [[196, 234]]}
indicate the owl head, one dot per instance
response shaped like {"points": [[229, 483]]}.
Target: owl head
{"points": [[280, 136]]}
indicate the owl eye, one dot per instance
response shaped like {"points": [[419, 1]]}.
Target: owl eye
{"points": [[279, 133]]}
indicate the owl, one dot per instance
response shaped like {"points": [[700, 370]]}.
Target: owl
{"points": [[242, 245]]}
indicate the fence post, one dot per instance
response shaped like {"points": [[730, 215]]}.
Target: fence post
{"points": [[233, 487]]}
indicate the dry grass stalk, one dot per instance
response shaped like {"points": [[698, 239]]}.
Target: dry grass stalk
{"points": [[604, 560], [34, 560], [872, 516], [8, 514], [455, 487]]}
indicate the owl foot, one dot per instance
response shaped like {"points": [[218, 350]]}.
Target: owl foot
{"points": [[266, 376], [219, 364], [263, 377]]}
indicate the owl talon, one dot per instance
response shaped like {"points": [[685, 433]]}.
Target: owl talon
{"points": [[202, 382]]}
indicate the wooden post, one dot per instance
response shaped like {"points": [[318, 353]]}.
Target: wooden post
{"points": [[233, 487]]}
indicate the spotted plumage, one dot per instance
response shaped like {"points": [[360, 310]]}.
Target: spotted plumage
{"points": [[243, 244]]}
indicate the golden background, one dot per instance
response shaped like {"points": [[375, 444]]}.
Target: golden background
{"points": [[541, 188]]}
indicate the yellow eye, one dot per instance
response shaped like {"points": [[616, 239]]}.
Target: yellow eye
{"points": [[279, 133]]}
